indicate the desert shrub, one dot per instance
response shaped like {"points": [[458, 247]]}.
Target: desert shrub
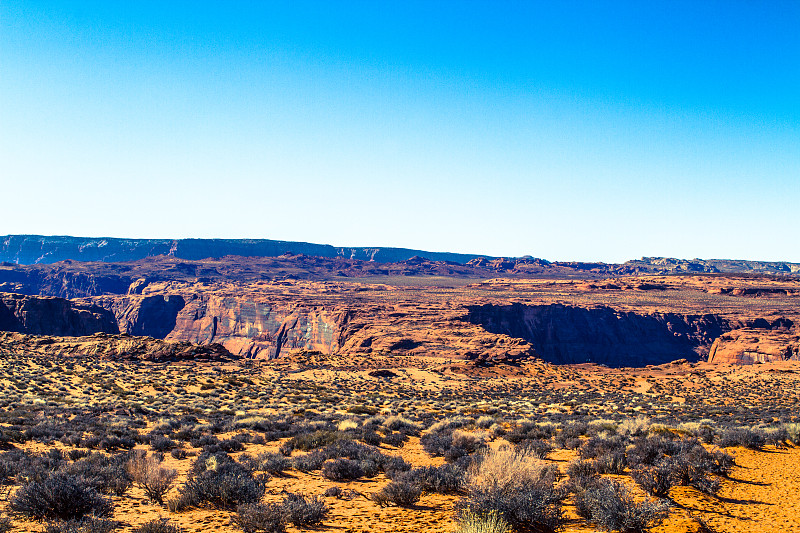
{"points": [[747, 438], [219, 481], [446, 479], [369, 436], [76, 454], [485, 422], [610, 506], [404, 425], [160, 443], [395, 439], [538, 448], [178, 453], [490, 522], [597, 446], [648, 450], [202, 441], [601, 425], [777, 436], [530, 431], [716, 462], [533, 506], [231, 445], [106, 474], [400, 493], [147, 472], [634, 426], [436, 444], [260, 518], [519, 487], [342, 469], [310, 461], [85, 525], [394, 466], [363, 410], [303, 510], [699, 430], [582, 473], [448, 424], [508, 466], [272, 463], [684, 472], [59, 496], [157, 526], [451, 444], [611, 462], [793, 433], [574, 430], [312, 441], [45, 432], [656, 480], [28, 466]]}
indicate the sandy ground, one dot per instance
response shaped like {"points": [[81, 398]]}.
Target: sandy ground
{"points": [[759, 497]]}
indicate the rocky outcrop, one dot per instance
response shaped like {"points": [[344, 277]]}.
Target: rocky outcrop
{"points": [[114, 347], [53, 316], [568, 334], [747, 346]]}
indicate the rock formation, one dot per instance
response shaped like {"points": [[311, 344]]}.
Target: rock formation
{"points": [[270, 307], [53, 316], [747, 346], [568, 334]]}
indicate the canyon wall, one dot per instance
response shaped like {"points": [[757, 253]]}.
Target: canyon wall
{"points": [[53, 316], [566, 334]]}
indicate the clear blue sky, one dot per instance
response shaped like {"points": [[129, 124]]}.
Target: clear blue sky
{"points": [[565, 130]]}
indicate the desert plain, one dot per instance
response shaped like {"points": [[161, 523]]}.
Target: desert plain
{"points": [[301, 393]]}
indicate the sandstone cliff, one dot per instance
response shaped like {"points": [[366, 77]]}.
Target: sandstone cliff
{"points": [[53, 316], [747, 346]]}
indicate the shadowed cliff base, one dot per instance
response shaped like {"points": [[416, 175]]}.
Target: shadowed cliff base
{"points": [[566, 334]]}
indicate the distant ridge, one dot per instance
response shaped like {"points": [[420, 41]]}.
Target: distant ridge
{"points": [[40, 249], [35, 249]]}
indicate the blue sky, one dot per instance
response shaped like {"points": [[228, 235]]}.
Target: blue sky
{"points": [[564, 130]]}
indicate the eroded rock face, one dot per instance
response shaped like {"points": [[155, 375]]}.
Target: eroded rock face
{"points": [[104, 346], [257, 327], [53, 316], [747, 346]]}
